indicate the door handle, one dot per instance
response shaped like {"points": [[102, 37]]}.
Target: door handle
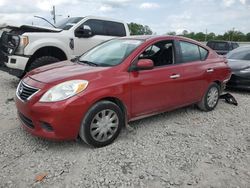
{"points": [[210, 70], [174, 76]]}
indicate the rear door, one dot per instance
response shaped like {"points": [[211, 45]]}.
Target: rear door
{"points": [[195, 71]]}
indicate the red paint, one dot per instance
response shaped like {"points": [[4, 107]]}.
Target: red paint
{"points": [[143, 92]]}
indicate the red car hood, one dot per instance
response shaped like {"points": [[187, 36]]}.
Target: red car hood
{"points": [[65, 70]]}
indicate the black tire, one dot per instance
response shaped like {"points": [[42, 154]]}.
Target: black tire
{"points": [[204, 103], [41, 61], [86, 126]]}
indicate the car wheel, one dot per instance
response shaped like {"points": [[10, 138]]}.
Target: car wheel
{"points": [[41, 61], [101, 124], [210, 99]]}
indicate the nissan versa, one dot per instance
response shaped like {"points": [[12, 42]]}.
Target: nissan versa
{"points": [[118, 81]]}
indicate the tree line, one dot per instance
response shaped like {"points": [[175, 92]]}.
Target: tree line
{"points": [[231, 35]]}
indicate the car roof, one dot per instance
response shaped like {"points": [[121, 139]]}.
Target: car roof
{"points": [[222, 41], [155, 37], [163, 37]]}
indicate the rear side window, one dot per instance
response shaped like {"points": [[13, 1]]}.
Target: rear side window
{"points": [[114, 29], [203, 53], [190, 52]]}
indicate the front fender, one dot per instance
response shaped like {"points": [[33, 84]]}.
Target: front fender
{"points": [[32, 47]]}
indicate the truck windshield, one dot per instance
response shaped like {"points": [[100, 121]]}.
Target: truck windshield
{"points": [[67, 23], [110, 53]]}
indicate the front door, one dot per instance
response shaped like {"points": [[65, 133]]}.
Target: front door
{"points": [[99, 35], [158, 89]]}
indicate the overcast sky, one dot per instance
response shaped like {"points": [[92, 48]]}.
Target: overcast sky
{"points": [[160, 15]]}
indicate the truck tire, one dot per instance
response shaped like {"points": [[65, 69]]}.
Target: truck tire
{"points": [[41, 61]]}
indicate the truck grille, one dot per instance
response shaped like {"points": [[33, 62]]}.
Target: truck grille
{"points": [[25, 92], [9, 43]]}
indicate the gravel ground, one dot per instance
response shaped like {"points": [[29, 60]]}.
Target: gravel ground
{"points": [[183, 148]]}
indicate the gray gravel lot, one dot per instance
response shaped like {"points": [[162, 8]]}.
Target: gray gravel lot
{"points": [[183, 148]]}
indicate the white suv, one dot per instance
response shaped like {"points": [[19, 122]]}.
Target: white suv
{"points": [[27, 47]]}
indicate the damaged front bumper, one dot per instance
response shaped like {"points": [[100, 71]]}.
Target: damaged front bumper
{"points": [[14, 65], [9, 62]]}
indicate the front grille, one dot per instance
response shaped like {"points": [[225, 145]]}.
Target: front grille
{"points": [[28, 122], [9, 43], [25, 92]]}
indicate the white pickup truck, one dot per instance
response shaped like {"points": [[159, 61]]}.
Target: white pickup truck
{"points": [[27, 47]]}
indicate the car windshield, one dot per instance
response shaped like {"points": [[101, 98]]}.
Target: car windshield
{"points": [[240, 54], [67, 23], [110, 53]]}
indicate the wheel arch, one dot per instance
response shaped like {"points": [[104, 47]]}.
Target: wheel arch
{"points": [[118, 102], [47, 51], [219, 83]]}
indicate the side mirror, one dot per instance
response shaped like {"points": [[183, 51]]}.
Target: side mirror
{"points": [[84, 32], [144, 64]]}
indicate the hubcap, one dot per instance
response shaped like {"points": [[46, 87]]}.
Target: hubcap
{"points": [[104, 125], [212, 97]]}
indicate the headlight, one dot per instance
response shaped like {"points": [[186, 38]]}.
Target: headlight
{"points": [[64, 90], [247, 70], [24, 41]]}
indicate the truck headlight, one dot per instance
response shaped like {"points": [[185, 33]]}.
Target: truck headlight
{"points": [[24, 41], [64, 90]]}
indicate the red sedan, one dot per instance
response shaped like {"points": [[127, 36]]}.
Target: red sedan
{"points": [[121, 80]]}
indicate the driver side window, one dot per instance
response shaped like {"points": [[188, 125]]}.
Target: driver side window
{"points": [[161, 53]]}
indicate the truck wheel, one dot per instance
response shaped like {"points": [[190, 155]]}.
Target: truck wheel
{"points": [[210, 99], [44, 60], [102, 124]]}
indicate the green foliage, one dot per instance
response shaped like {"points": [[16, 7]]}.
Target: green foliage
{"points": [[138, 29], [230, 35]]}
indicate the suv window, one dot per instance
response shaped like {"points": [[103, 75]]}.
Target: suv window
{"points": [[190, 52], [221, 46], [161, 53], [109, 28]]}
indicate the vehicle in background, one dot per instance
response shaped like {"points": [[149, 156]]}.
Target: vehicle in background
{"points": [[222, 47], [119, 81], [27, 47], [239, 61]]}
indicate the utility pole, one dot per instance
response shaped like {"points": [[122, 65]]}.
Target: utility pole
{"points": [[206, 36], [232, 34], [53, 13]]}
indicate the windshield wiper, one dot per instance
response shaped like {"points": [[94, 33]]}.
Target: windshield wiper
{"points": [[89, 63]]}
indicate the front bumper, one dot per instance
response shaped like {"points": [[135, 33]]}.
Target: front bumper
{"points": [[16, 65], [239, 82], [56, 121]]}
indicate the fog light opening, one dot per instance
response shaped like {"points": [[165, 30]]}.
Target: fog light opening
{"points": [[46, 126]]}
